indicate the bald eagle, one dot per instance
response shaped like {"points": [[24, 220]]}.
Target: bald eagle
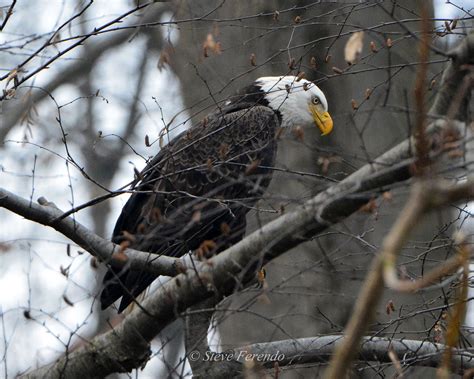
{"points": [[195, 193]]}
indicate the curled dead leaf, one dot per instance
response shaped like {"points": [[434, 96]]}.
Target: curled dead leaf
{"points": [[196, 217], [252, 167], [368, 92], [276, 16], [298, 132], [225, 229], [373, 48], [253, 59], [354, 105], [292, 64], [370, 207], [353, 47], [390, 307], [300, 76], [223, 150], [210, 45]]}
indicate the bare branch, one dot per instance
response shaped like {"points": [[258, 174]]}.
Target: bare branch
{"points": [[75, 71], [319, 349], [8, 15], [48, 214]]}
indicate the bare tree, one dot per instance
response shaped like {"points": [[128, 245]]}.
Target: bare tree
{"points": [[78, 98]]}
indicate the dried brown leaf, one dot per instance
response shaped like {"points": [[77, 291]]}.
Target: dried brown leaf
{"points": [[223, 150], [368, 92], [292, 64], [209, 164], [387, 195], [252, 167], [354, 104], [225, 229], [300, 76], [163, 60], [373, 48], [253, 59], [298, 132], [196, 217], [353, 47], [128, 236], [211, 45], [370, 207]]}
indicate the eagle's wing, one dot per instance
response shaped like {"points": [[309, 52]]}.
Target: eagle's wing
{"points": [[196, 192]]}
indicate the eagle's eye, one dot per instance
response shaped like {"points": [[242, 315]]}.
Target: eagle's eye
{"points": [[315, 100]]}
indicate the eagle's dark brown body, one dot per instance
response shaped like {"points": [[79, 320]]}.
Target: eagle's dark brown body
{"points": [[198, 188]]}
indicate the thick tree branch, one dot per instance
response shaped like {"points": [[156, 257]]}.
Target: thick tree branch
{"points": [[453, 77], [320, 349], [316, 350]]}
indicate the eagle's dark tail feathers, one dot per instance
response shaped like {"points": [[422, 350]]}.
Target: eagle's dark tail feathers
{"points": [[126, 284]]}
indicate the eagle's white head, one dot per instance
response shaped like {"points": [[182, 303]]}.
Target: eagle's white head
{"points": [[300, 102]]}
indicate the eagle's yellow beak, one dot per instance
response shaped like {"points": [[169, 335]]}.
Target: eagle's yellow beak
{"points": [[322, 120]]}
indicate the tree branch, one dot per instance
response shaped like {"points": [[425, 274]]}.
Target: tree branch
{"points": [[453, 76], [48, 214], [316, 350], [75, 71], [320, 349]]}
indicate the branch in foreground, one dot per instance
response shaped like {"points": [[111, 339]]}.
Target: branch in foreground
{"points": [[426, 195], [453, 78], [127, 346]]}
